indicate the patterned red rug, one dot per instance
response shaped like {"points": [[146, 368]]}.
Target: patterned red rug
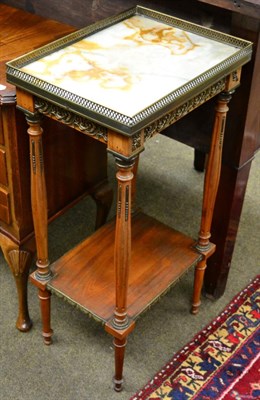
{"points": [[221, 362]]}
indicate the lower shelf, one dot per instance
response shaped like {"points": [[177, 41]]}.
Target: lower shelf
{"points": [[85, 275]]}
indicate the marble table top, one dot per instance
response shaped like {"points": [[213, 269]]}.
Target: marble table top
{"points": [[132, 64]]}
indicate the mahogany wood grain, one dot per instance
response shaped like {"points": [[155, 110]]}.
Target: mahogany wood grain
{"points": [[45, 304], [123, 245], [39, 197], [119, 345], [158, 251], [213, 169]]}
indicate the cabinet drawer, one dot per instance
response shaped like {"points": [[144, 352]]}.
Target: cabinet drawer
{"points": [[3, 170], [5, 212]]}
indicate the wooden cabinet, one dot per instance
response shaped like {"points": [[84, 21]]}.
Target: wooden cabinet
{"points": [[67, 182], [5, 212]]}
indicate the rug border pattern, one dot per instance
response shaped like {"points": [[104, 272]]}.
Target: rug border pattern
{"points": [[198, 339]]}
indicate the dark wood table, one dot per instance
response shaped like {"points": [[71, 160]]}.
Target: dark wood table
{"points": [[97, 80], [242, 18], [67, 183]]}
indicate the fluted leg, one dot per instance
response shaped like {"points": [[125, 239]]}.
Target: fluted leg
{"points": [[122, 241], [209, 196], [40, 219], [120, 326]]}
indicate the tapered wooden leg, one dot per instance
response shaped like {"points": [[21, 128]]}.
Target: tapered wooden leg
{"points": [[209, 196], [42, 275], [120, 325], [119, 361], [198, 280], [45, 304]]}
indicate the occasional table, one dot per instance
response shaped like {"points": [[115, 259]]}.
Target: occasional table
{"points": [[120, 82]]}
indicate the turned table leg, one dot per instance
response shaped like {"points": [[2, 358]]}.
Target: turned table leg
{"points": [[40, 220], [45, 304], [119, 345], [211, 182], [120, 326]]}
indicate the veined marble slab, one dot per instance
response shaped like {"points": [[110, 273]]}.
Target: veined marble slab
{"points": [[130, 65]]}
